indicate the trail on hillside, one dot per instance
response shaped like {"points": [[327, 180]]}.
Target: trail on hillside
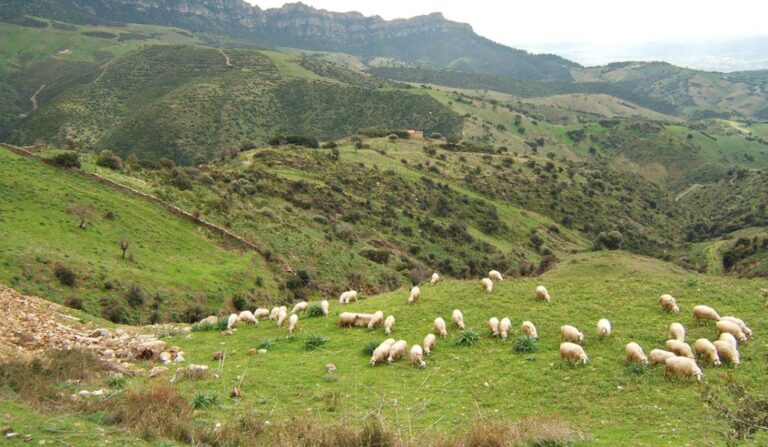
{"points": [[226, 58], [33, 99]]}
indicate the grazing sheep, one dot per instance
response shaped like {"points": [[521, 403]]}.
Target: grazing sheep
{"points": [[634, 353], [493, 323], [435, 278], [281, 317], [381, 353], [232, 321], [495, 275], [542, 294], [273, 313], [211, 319], [429, 343], [603, 328], [325, 306], [706, 348], [397, 351], [292, 323], [417, 356], [668, 304], [376, 320], [414, 295], [348, 297], [248, 317], [504, 326], [682, 366], [440, 328], [677, 331], [659, 356], [679, 348], [573, 353], [262, 313], [389, 324], [731, 328], [702, 312], [744, 328], [347, 319], [725, 336], [458, 318], [727, 352], [530, 330], [301, 306], [487, 285], [570, 333]]}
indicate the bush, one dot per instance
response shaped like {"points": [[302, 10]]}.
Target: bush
{"points": [[370, 347], [315, 342], [67, 159], [298, 140], [330, 145], [267, 343], [107, 159], [376, 255], [135, 296], [525, 345], [239, 303], [637, 368], [194, 312], [314, 311], [609, 239], [205, 399], [247, 145], [467, 337], [435, 136], [114, 312], [74, 302], [65, 275]]}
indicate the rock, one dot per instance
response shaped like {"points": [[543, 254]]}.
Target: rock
{"points": [[218, 355], [98, 393], [157, 371], [262, 351], [84, 394], [236, 393], [179, 358], [164, 357], [330, 367], [99, 333], [252, 351]]}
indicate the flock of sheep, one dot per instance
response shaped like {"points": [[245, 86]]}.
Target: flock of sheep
{"points": [[678, 358]]}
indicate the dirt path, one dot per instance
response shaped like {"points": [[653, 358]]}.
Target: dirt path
{"points": [[226, 58], [33, 99]]}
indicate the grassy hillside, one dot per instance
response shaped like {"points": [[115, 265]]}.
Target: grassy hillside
{"points": [[743, 253]]}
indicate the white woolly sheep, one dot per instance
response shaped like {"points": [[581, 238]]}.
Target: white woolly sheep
{"points": [[376, 320], [725, 336], [677, 331], [603, 328], [397, 351], [458, 318], [504, 326], [281, 317], [495, 275], [680, 348], [570, 333], [659, 356], [727, 352], [389, 324], [682, 366], [211, 320], [487, 285], [417, 356], [381, 353], [634, 353], [261, 313], [705, 347], [744, 328], [573, 353], [232, 321], [292, 323], [348, 297], [248, 317], [542, 294], [493, 324], [273, 313], [301, 306], [347, 319], [731, 328], [440, 327], [668, 303], [702, 312], [429, 343], [529, 329], [435, 278], [325, 306], [414, 295]]}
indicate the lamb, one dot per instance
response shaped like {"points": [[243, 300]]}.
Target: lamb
{"points": [[682, 366], [634, 353], [725, 336], [292, 323], [301, 306], [397, 351], [504, 327], [659, 356], [731, 328], [679, 348], [348, 297], [248, 317], [493, 323], [542, 294], [232, 321], [429, 343], [487, 285], [376, 320], [706, 348], [458, 318], [440, 328], [325, 305], [744, 328], [261, 313], [417, 356], [603, 328], [573, 353], [389, 324], [727, 352], [677, 331], [211, 320], [435, 278], [281, 317], [414, 295], [529, 329], [702, 312], [668, 304], [381, 353], [570, 333], [495, 275]]}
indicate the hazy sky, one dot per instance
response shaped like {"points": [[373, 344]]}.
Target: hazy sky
{"points": [[533, 22]]}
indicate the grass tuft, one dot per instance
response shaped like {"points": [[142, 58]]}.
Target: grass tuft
{"points": [[370, 347], [467, 337], [315, 342], [205, 399], [314, 311], [525, 345]]}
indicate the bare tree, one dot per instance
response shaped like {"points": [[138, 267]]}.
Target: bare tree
{"points": [[83, 212], [124, 243]]}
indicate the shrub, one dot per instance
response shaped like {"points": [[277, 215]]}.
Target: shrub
{"points": [[239, 303], [370, 347], [74, 302], [608, 239], [435, 136], [65, 275], [135, 296], [330, 145], [467, 337], [114, 311], [67, 159], [194, 312], [376, 255], [157, 409], [205, 399], [525, 345], [267, 343], [247, 145], [637, 368], [107, 159], [315, 342], [314, 311]]}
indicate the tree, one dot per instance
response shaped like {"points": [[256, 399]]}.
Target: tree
{"points": [[67, 159], [83, 212], [107, 159], [124, 243]]}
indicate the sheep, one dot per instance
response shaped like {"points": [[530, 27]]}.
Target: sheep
{"points": [[487, 285], [659, 356], [281, 317], [682, 366], [292, 323], [677, 331], [429, 343], [376, 320], [440, 328], [744, 328], [232, 321], [248, 317], [397, 350], [705, 347], [414, 295], [668, 304], [261, 313], [731, 328], [211, 320], [301, 306], [570, 333], [458, 318], [727, 352], [634, 353], [702, 312], [435, 278], [573, 353], [325, 306], [389, 324], [504, 327], [417, 356], [381, 353], [347, 319], [529, 329], [542, 294], [273, 313], [725, 336], [493, 323], [603, 328], [348, 297], [495, 275], [679, 348]]}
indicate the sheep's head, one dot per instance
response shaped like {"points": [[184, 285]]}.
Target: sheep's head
{"points": [[581, 337], [644, 361], [584, 359], [717, 362], [423, 364]]}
